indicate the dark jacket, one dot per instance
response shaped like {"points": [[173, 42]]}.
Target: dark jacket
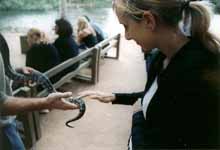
{"points": [[42, 57], [184, 112], [99, 33], [90, 41], [66, 47]]}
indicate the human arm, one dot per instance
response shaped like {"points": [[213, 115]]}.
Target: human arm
{"points": [[127, 98], [116, 98], [83, 34], [13, 105]]}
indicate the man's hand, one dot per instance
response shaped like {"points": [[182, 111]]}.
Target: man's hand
{"points": [[97, 95], [25, 70], [57, 101]]}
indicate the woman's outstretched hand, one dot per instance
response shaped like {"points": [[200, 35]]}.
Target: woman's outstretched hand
{"points": [[97, 95]]}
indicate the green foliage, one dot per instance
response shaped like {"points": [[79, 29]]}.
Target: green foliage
{"points": [[214, 1], [51, 4], [217, 5], [43, 4], [28, 4]]}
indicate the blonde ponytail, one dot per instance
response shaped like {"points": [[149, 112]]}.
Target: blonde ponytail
{"points": [[200, 13]]}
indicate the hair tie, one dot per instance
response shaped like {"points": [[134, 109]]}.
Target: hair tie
{"points": [[186, 5]]}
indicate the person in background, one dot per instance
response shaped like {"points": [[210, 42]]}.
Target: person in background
{"points": [[180, 102], [100, 34], [65, 44], [10, 106], [86, 35], [41, 55]]}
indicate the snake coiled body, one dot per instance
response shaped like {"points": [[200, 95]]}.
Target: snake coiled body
{"points": [[35, 77]]}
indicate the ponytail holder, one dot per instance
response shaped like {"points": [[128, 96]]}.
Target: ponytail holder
{"points": [[186, 5]]}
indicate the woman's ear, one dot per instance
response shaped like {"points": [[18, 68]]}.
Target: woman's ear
{"points": [[149, 20]]}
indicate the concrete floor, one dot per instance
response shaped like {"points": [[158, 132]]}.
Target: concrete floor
{"points": [[104, 126]]}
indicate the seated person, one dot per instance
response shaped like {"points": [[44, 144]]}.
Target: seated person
{"points": [[65, 44], [41, 55], [86, 35], [100, 34]]}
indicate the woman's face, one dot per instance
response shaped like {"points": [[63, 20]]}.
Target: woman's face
{"points": [[137, 31]]}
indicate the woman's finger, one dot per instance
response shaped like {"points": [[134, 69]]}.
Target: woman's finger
{"points": [[86, 93], [94, 97]]}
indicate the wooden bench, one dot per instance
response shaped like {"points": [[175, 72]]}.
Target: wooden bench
{"points": [[108, 44], [24, 44], [105, 46], [31, 131], [28, 120]]}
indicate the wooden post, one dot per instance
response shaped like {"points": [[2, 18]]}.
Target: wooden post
{"points": [[24, 44], [95, 65], [36, 115], [27, 121], [118, 46]]}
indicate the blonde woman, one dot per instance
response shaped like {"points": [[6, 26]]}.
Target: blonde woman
{"points": [[180, 102], [41, 55], [86, 35]]}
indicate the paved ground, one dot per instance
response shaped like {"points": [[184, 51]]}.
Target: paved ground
{"points": [[104, 126]]}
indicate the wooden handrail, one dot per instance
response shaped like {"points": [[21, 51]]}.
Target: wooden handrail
{"points": [[68, 76], [106, 41], [56, 69], [98, 49], [31, 120]]}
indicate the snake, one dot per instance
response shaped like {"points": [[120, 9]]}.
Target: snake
{"points": [[36, 77]]}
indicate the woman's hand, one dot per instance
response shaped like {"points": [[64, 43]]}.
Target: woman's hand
{"points": [[97, 95], [57, 101]]}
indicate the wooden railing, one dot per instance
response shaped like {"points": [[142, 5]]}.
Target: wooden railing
{"points": [[32, 131]]}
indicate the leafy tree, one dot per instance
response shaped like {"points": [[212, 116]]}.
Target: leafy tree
{"points": [[41, 4], [27, 4], [217, 4]]}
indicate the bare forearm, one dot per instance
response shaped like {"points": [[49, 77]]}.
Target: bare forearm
{"points": [[14, 105]]}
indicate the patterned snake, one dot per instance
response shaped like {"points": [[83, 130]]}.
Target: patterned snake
{"points": [[36, 77]]}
